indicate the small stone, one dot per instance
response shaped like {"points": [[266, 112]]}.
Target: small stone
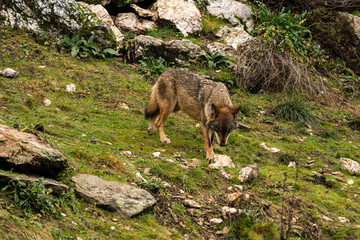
{"points": [[340, 174], [233, 196], [246, 197], [239, 188], [350, 165], [326, 218], [350, 182], [191, 203], [42, 67], [249, 172], [343, 219], [63, 214], [126, 153], [70, 87], [156, 154], [224, 174], [292, 165], [221, 161], [197, 125], [228, 210], [216, 220], [271, 149], [112, 228], [194, 163], [79, 238], [47, 102], [140, 178], [115, 219], [73, 223], [9, 73], [122, 106], [147, 171]]}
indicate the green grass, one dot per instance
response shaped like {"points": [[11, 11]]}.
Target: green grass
{"points": [[88, 128]]}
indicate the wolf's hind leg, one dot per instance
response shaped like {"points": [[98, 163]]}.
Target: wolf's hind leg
{"points": [[164, 113], [151, 125]]}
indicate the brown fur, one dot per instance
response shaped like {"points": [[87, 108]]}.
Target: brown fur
{"points": [[204, 100]]}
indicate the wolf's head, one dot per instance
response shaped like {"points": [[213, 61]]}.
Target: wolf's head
{"points": [[222, 122]]}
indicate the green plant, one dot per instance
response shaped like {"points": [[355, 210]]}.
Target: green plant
{"points": [[294, 109], [215, 61], [355, 123], [152, 66], [33, 197], [167, 30], [84, 49], [201, 4], [153, 185], [284, 30]]}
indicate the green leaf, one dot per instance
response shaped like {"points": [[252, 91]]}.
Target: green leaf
{"points": [[110, 51]]}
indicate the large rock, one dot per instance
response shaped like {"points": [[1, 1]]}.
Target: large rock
{"points": [[183, 13], [56, 17], [221, 161], [129, 22], [57, 187], [177, 51], [27, 152], [350, 165], [104, 16], [232, 11], [124, 199]]}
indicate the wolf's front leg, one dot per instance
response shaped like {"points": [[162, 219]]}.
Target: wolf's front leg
{"points": [[207, 135]]}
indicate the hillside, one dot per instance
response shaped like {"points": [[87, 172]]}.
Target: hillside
{"points": [[91, 129]]}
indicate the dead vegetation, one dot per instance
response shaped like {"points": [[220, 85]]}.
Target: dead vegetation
{"points": [[263, 68]]}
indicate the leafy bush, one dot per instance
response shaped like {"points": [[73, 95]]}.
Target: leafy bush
{"points": [[84, 49], [33, 197], [153, 185], [294, 109], [152, 66], [215, 61], [284, 30], [201, 4]]}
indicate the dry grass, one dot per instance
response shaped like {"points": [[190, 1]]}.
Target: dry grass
{"points": [[263, 68]]}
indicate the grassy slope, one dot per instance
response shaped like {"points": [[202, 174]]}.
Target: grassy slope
{"points": [[91, 132]]}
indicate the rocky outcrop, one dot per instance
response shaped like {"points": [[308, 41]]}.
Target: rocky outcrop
{"points": [[29, 153], [124, 199], [184, 14], [56, 186], [354, 24], [104, 16], [129, 22], [177, 51], [57, 17], [232, 11]]}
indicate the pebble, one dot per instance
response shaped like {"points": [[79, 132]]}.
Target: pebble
{"points": [[216, 220]]}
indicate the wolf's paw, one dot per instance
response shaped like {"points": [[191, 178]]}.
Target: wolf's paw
{"points": [[165, 140], [150, 131]]}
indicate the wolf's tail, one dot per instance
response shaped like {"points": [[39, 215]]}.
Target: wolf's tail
{"points": [[152, 108]]}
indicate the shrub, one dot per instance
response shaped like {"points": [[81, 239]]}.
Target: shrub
{"points": [[294, 109], [84, 49], [153, 185], [262, 67], [152, 66], [33, 198], [284, 30], [215, 61]]}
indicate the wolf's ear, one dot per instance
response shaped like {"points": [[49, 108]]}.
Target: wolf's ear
{"points": [[234, 111]]}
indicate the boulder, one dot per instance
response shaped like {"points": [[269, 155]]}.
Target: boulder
{"points": [[143, 12], [104, 16], [29, 153], [57, 17], [216, 47], [124, 199], [232, 11], [183, 13], [352, 166], [249, 172], [177, 51], [57, 187], [129, 22], [121, 3], [234, 37]]}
